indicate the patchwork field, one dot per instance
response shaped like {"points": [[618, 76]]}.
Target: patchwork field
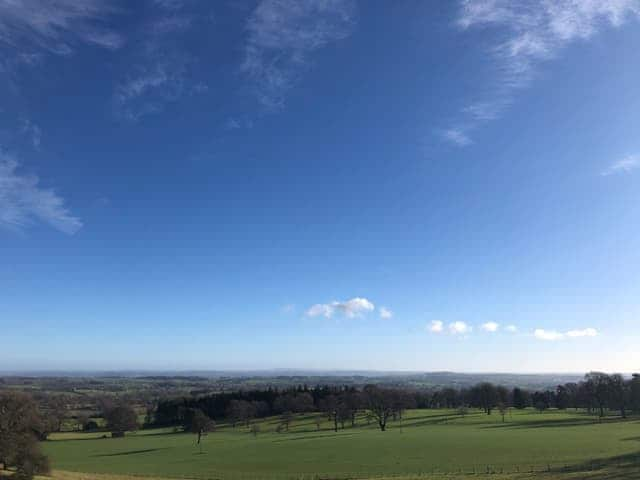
{"points": [[428, 442]]}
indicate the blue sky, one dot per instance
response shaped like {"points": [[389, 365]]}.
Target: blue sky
{"points": [[330, 184]]}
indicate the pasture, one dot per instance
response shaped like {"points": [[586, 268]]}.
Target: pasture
{"points": [[427, 443]]}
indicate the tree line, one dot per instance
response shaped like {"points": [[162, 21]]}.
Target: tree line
{"points": [[340, 405], [597, 393]]}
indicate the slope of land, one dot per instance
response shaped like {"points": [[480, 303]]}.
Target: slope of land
{"points": [[426, 444]]}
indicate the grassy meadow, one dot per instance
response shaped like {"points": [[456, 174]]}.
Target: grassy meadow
{"points": [[426, 443]]}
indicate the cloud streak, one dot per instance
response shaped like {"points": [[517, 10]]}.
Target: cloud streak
{"points": [[282, 35], [527, 34], [159, 66], [490, 327], [23, 201], [56, 26], [554, 335], [459, 328]]}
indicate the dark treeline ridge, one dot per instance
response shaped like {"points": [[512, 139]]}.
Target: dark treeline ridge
{"points": [[596, 393]]}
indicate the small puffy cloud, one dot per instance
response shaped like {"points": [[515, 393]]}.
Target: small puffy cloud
{"points": [[354, 307], [490, 327], [587, 332], [553, 335], [459, 328], [624, 165], [436, 326], [321, 309], [550, 335], [385, 313], [511, 328]]}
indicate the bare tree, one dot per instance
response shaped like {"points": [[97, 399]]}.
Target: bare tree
{"points": [[329, 406], [597, 384], [503, 409], [201, 424], [380, 404], [285, 420]]}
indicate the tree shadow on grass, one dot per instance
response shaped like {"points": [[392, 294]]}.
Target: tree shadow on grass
{"points": [[554, 423], [129, 452], [619, 467], [313, 437], [433, 420]]}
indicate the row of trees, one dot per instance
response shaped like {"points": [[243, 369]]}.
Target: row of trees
{"points": [[597, 393], [340, 405]]}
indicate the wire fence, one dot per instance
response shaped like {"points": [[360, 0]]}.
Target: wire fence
{"points": [[443, 471]]}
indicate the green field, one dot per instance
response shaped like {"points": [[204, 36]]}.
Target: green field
{"points": [[428, 442]]}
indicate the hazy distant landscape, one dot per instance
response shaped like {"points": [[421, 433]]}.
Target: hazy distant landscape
{"points": [[318, 425]]}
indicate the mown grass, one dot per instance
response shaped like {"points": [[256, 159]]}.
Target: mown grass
{"points": [[427, 444]]}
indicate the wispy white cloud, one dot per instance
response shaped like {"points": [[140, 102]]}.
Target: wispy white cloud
{"points": [[385, 313], [490, 327], [354, 307], [529, 32], [159, 70], [436, 326], [586, 332], [511, 328], [235, 123], [56, 26], [625, 165], [554, 335], [459, 328], [281, 36], [457, 136], [23, 201], [32, 131]]}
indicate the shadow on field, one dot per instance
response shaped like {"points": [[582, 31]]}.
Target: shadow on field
{"points": [[313, 437], [620, 467], [129, 452], [553, 423], [430, 420]]}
